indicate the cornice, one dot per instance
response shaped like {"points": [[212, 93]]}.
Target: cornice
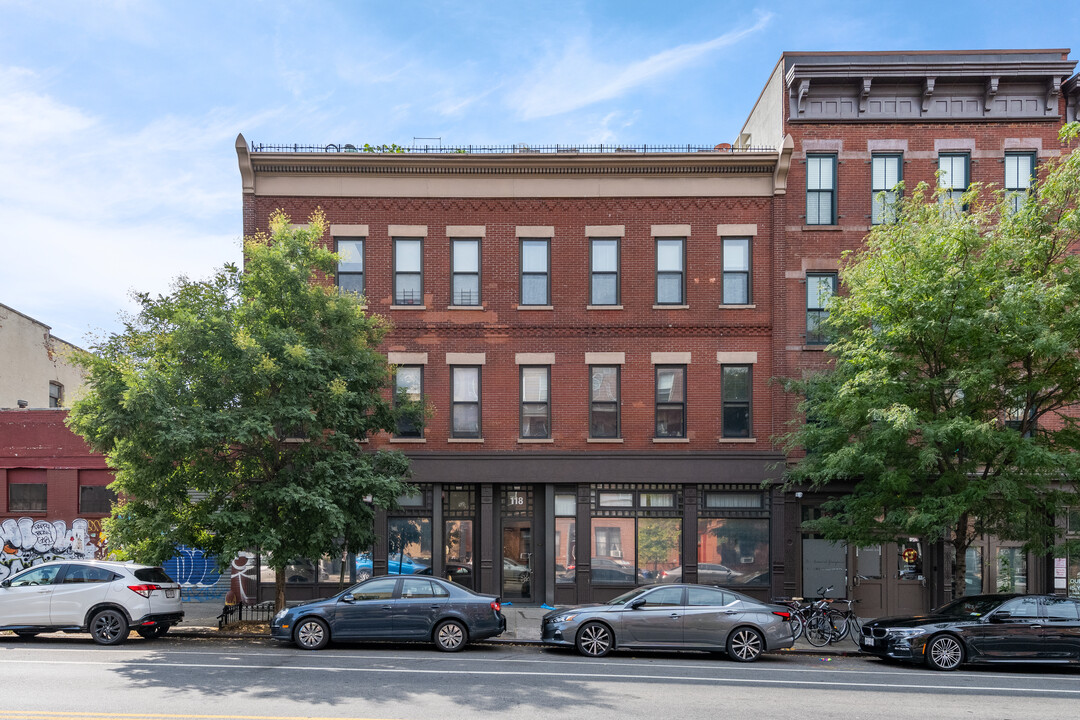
{"points": [[850, 71]]}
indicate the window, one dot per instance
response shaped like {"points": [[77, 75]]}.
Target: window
{"points": [[664, 597], [670, 266], [1019, 174], [408, 541], [604, 283], [465, 402], [819, 288], [670, 401], [886, 172], [733, 551], [565, 537], [699, 596], [535, 277], [78, 574], [953, 171], [735, 400], [535, 402], [382, 589], [56, 395], [37, 576], [96, 499], [459, 513], [637, 534], [736, 252], [604, 401], [1011, 570], [412, 588], [27, 497], [466, 280], [409, 395], [820, 189], [408, 271], [350, 269]]}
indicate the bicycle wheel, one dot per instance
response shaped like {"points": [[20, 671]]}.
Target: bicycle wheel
{"points": [[818, 631], [840, 625], [856, 630], [797, 625]]}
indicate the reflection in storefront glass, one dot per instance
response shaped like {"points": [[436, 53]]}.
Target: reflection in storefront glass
{"points": [[1011, 570], [458, 565], [658, 543], [973, 577], [409, 546], [613, 551], [733, 551], [565, 549], [330, 569], [909, 560]]}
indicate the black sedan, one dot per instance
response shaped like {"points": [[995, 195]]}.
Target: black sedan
{"points": [[394, 608], [666, 617], [982, 629]]}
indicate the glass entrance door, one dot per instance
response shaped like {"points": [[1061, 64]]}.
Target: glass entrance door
{"points": [[517, 565]]}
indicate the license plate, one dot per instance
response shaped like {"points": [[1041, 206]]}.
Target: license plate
{"points": [[869, 641], [170, 593]]}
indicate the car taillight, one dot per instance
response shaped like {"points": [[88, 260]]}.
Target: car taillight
{"points": [[496, 605], [144, 590], [781, 613]]}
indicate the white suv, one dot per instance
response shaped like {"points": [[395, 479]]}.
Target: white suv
{"points": [[106, 599]]}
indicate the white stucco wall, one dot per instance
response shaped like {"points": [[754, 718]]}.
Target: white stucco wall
{"points": [[31, 358]]}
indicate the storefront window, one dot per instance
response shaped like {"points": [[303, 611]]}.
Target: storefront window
{"points": [[733, 551], [613, 543], [409, 546], [909, 560], [458, 566], [565, 537], [636, 534], [1011, 570], [868, 562], [973, 576], [658, 542], [331, 566], [1073, 562]]}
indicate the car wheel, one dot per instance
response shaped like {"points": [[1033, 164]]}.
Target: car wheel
{"points": [[109, 627], [944, 652], [311, 634], [362, 575], [151, 633], [595, 640], [26, 635], [450, 636], [745, 645]]}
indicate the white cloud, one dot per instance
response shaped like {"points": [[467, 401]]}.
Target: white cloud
{"points": [[577, 78]]}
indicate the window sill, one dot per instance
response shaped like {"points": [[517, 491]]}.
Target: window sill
{"points": [[670, 307], [610, 441], [821, 228], [407, 441], [814, 348], [465, 307], [535, 441], [724, 440], [408, 307], [477, 441], [603, 307], [535, 307], [660, 441], [737, 307]]}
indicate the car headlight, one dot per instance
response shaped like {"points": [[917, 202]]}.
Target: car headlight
{"points": [[563, 618], [281, 615], [905, 632]]}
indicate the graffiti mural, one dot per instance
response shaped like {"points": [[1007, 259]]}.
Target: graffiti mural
{"points": [[243, 586], [28, 542], [198, 575]]}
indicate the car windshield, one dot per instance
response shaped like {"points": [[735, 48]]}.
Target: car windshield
{"points": [[626, 596], [976, 606]]}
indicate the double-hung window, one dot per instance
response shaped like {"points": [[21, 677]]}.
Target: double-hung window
{"points": [[819, 288], [670, 271], [735, 391], [604, 401], [56, 395], [953, 172], [820, 189], [408, 271], [466, 280], [736, 279], [604, 280], [409, 394], [1019, 174], [535, 273], [465, 401], [886, 171], [536, 401], [350, 269], [670, 401]]}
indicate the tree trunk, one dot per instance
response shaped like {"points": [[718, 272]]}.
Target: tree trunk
{"points": [[279, 589], [960, 544]]}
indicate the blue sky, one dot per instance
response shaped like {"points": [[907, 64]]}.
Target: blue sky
{"points": [[117, 119]]}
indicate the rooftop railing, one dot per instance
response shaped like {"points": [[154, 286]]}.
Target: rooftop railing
{"points": [[502, 149]]}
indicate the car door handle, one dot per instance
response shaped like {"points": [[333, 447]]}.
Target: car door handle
{"points": [[434, 607], [727, 612], [387, 607], [674, 616], [1036, 626]]}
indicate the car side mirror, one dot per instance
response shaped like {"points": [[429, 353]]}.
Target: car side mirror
{"points": [[349, 598], [636, 603], [6, 583], [1001, 616]]}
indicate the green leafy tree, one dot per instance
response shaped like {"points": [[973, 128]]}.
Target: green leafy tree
{"points": [[232, 411], [950, 410]]}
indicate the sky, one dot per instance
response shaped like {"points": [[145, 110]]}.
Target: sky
{"points": [[118, 119]]}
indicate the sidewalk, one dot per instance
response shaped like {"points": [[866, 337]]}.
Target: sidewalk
{"points": [[522, 628]]}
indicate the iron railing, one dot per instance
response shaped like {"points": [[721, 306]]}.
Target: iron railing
{"points": [[261, 612], [502, 149]]}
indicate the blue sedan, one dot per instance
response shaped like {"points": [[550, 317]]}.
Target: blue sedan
{"points": [[394, 608]]}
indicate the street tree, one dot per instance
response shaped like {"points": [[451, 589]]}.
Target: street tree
{"points": [[950, 410], [234, 410]]}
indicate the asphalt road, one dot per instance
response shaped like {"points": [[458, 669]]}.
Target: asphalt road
{"points": [[68, 678]]}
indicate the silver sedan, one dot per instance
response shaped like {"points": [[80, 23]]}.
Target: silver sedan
{"points": [[673, 617]]}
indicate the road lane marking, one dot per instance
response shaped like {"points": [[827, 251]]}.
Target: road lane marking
{"points": [[571, 676], [82, 715], [641, 661]]}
